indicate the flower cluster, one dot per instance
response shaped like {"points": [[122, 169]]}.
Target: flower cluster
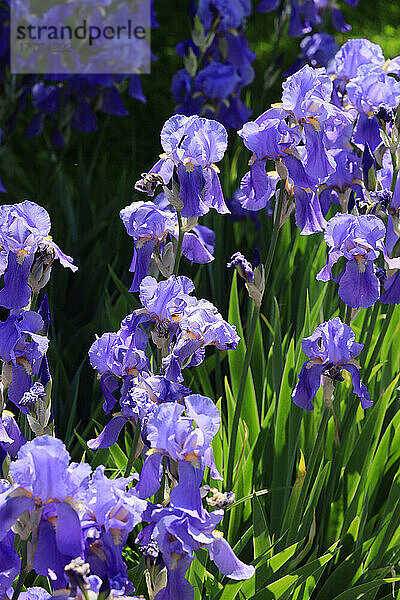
{"points": [[184, 526], [141, 366], [217, 63], [64, 512], [27, 255], [333, 140], [179, 326]]}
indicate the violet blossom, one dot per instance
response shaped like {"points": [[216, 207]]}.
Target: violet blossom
{"points": [[360, 240], [330, 348], [192, 146], [27, 252]]}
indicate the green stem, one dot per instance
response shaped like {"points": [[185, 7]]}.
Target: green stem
{"points": [[208, 43], [275, 233], [131, 458], [395, 172], [348, 315], [250, 343], [22, 575], [180, 242]]}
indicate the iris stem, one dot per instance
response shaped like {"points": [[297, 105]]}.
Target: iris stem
{"points": [[180, 242], [348, 315], [22, 575], [275, 233], [395, 172], [250, 343], [132, 453]]}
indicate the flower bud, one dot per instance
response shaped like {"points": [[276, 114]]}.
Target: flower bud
{"points": [[173, 196], [281, 169], [256, 288], [41, 268]]}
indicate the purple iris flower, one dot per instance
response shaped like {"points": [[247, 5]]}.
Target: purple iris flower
{"points": [[22, 348], [268, 137], [217, 80], [371, 88], [10, 562], [137, 404], [180, 326], [303, 18], [43, 479], [307, 95], [170, 433], [192, 145], [71, 515], [367, 92], [165, 301], [346, 178], [179, 534], [301, 135], [121, 354], [319, 49], [360, 241], [11, 437], [200, 325], [27, 251], [330, 349], [116, 355], [214, 91], [150, 226], [110, 515], [231, 12], [35, 593], [363, 87], [353, 54]]}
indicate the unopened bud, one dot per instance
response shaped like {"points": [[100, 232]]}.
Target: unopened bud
{"points": [[281, 169], [173, 196], [189, 223], [256, 288], [41, 268]]}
